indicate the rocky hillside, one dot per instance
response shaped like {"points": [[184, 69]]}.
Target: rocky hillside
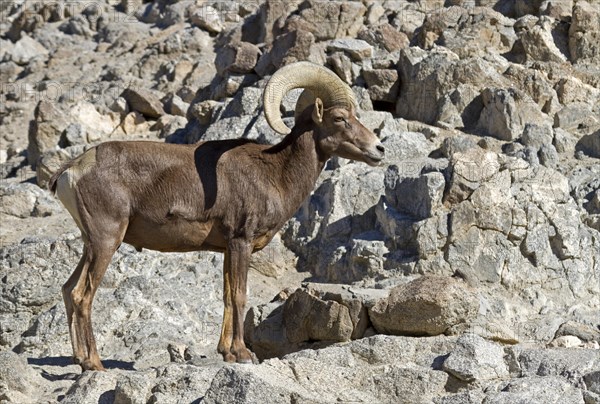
{"points": [[466, 269]]}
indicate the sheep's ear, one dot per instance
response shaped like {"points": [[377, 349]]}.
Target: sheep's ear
{"points": [[317, 114]]}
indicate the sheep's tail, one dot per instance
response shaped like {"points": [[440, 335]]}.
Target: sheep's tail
{"points": [[58, 173]]}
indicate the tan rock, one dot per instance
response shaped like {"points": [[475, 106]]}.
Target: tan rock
{"points": [[429, 305]]}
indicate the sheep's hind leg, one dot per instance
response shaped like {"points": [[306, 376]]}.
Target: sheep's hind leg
{"points": [[67, 289], [100, 250], [224, 347]]}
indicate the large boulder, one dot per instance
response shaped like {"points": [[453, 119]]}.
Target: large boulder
{"points": [[429, 305]]}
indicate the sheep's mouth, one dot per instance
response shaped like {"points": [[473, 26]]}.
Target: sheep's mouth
{"points": [[373, 160]]}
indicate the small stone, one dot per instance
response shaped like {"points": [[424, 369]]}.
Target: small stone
{"points": [[176, 106], [566, 341], [208, 18], [144, 102], [548, 156]]}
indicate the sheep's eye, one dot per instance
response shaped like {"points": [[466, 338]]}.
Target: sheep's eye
{"points": [[339, 119]]}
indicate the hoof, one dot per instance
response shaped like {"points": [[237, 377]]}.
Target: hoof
{"points": [[244, 356], [229, 357], [89, 365], [244, 361]]}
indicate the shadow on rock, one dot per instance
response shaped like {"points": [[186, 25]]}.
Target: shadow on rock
{"points": [[64, 361]]}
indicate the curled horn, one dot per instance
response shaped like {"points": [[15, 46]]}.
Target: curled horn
{"points": [[317, 81]]}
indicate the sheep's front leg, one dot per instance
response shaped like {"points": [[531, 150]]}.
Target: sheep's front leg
{"points": [[239, 255]]}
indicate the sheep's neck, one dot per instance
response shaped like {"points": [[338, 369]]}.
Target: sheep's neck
{"points": [[301, 164]]}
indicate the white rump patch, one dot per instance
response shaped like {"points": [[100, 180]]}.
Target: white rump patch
{"points": [[66, 184]]}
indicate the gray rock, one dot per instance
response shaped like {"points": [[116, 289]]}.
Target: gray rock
{"points": [[331, 20], [306, 317], [475, 359], [538, 43], [592, 381], [590, 144], [419, 197], [25, 199], [174, 383], [506, 112], [457, 144], [572, 115], [26, 49], [469, 170], [537, 136], [133, 388], [401, 145], [564, 142], [484, 31], [52, 160], [384, 36], [238, 58], [383, 84], [583, 331], [273, 260], [45, 130], [338, 373], [429, 305], [287, 48], [92, 387], [357, 49], [583, 33], [536, 390], [428, 78], [548, 156], [247, 385], [342, 66], [174, 105], [17, 380], [264, 332], [566, 362]]}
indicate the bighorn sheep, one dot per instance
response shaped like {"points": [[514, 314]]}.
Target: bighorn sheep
{"points": [[228, 196]]}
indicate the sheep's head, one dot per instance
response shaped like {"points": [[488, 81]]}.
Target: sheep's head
{"points": [[338, 131]]}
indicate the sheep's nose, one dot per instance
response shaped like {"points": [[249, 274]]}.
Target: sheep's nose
{"points": [[380, 148]]}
